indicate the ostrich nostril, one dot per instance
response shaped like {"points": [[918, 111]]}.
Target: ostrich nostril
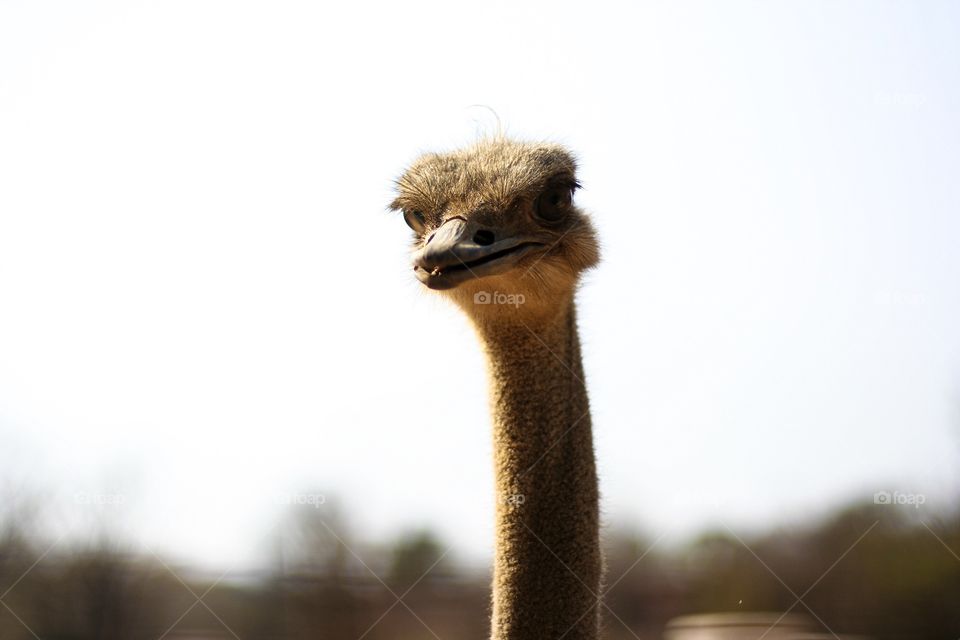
{"points": [[483, 237]]}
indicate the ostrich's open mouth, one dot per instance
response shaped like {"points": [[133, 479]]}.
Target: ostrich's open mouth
{"points": [[496, 259], [459, 251]]}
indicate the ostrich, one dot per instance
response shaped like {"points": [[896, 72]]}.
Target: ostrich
{"points": [[497, 232]]}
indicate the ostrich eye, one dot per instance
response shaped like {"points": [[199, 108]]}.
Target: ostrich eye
{"points": [[554, 203], [415, 220]]}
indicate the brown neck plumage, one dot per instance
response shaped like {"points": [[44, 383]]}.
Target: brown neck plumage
{"points": [[547, 566]]}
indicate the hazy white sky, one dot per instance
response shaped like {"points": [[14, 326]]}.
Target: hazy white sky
{"points": [[185, 320]]}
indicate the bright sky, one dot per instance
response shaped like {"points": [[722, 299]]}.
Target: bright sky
{"points": [[204, 307]]}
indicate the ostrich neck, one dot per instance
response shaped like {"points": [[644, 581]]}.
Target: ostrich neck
{"points": [[547, 565]]}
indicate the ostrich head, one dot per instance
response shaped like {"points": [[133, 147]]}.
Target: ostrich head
{"points": [[495, 227]]}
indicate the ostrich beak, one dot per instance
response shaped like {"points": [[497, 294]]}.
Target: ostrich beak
{"points": [[460, 250]]}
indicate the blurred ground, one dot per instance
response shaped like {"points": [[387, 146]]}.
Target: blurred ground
{"points": [[883, 571]]}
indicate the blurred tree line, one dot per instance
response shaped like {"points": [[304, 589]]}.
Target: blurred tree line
{"points": [[878, 570]]}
